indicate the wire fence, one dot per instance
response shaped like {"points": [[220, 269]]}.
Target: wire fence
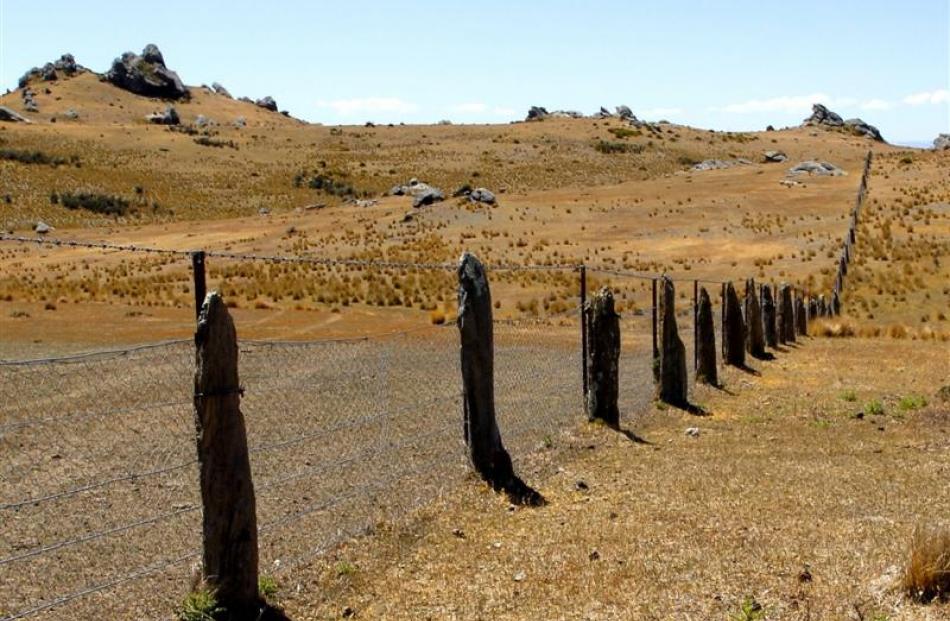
{"points": [[99, 502]]}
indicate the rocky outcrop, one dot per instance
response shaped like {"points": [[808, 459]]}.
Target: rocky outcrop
{"points": [[811, 167], [720, 164], [9, 116], [422, 193], [217, 88], [942, 142], [603, 113], [537, 113], [859, 127], [146, 75], [820, 115], [625, 113], [268, 103], [64, 67]]}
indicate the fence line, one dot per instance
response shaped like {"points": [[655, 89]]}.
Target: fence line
{"points": [[339, 423]]}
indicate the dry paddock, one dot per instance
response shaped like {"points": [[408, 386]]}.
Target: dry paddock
{"points": [[786, 497]]}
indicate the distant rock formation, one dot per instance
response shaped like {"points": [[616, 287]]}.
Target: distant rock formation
{"points": [[942, 142], [146, 75], [268, 103], [216, 87], [537, 113], [65, 66], [820, 115], [625, 113]]}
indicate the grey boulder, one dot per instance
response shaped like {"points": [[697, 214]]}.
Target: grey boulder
{"points": [[775, 156], [428, 196], [536, 113], [482, 195], [861, 128], [217, 88], [812, 167], [942, 142], [42, 228], [268, 103], [8, 115], [168, 117], [146, 75], [820, 115]]}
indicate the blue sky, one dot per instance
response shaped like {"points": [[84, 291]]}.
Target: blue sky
{"points": [[727, 65]]}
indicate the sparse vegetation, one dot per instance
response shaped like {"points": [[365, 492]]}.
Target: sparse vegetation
{"points": [[200, 605], [927, 572], [97, 203]]}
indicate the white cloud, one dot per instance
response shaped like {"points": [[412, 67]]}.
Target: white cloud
{"points": [[941, 95], [500, 111], [876, 104], [368, 105]]}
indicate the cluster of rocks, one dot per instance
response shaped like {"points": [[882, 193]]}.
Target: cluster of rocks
{"points": [[477, 195], [147, 75], [168, 117], [268, 103], [622, 112], [422, 193], [942, 142], [813, 167], [821, 115], [65, 66], [539, 113], [220, 90], [721, 164]]}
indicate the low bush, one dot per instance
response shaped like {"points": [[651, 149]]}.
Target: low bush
{"points": [[98, 203]]}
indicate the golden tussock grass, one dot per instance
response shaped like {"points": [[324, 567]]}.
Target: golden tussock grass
{"points": [[927, 574]]}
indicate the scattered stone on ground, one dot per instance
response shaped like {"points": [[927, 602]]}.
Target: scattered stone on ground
{"points": [[146, 75], [482, 195], [240, 122], [42, 228], [813, 167], [775, 156], [71, 114], [203, 121], [168, 117], [692, 432], [8, 115], [720, 164]]}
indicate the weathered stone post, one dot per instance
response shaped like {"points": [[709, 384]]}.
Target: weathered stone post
{"points": [[486, 451], [706, 371], [787, 313], [801, 316], [835, 307], [768, 317], [812, 308], [603, 358], [733, 330], [227, 491], [822, 306], [673, 382], [755, 337]]}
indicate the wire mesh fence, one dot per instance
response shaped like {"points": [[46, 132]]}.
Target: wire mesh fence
{"points": [[98, 476]]}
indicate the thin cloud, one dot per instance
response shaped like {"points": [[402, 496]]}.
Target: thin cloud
{"points": [[368, 105], [788, 104], [876, 104], [941, 95]]}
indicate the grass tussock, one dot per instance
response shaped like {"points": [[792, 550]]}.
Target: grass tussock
{"points": [[927, 574], [846, 328]]}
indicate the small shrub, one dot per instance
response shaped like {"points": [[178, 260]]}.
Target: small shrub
{"points": [[345, 568], [98, 203], [267, 587], [927, 574], [874, 408], [32, 157], [200, 605], [749, 610], [205, 141], [912, 402], [849, 396], [607, 147]]}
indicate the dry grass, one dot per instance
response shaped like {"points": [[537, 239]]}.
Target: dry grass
{"points": [[927, 574]]}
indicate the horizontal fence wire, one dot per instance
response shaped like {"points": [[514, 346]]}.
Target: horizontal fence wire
{"points": [[99, 501]]}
